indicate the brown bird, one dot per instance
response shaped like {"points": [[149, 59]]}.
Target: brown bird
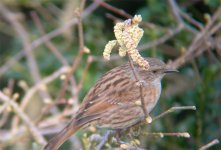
{"points": [[112, 102]]}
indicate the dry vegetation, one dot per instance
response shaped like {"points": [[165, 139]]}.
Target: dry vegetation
{"points": [[56, 56]]}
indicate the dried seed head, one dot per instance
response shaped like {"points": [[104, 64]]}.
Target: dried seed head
{"points": [[42, 87], [47, 101], [122, 52], [137, 19], [15, 96], [87, 50], [23, 84], [108, 48], [138, 103], [92, 129], [85, 135], [149, 119], [185, 134], [63, 77], [136, 141], [161, 135], [9, 109], [6, 91], [136, 57], [207, 17], [128, 35], [124, 146], [118, 30], [183, 50]]}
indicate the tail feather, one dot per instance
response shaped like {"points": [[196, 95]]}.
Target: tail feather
{"points": [[62, 136]]}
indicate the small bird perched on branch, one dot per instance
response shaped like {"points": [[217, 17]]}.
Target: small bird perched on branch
{"points": [[114, 101]]}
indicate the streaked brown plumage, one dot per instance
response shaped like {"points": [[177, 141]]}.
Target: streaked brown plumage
{"points": [[111, 102]]}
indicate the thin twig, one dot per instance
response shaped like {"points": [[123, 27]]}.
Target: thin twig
{"points": [[53, 49], [45, 127], [176, 13], [23, 34], [213, 19], [122, 13], [104, 140], [210, 144], [32, 64], [44, 81], [171, 33], [78, 58], [80, 84], [113, 9], [34, 131], [204, 34], [172, 109], [161, 134], [201, 42], [113, 18], [38, 86], [191, 20], [45, 38], [6, 114], [48, 43], [140, 85], [2, 108]]}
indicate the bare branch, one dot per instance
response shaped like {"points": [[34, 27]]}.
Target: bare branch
{"points": [[210, 144], [80, 84], [45, 38], [113, 9], [172, 109], [103, 141], [176, 13], [140, 84], [191, 20], [171, 33], [48, 43], [44, 81], [34, 131], [78, 58], [23, 34], [161, 134]]}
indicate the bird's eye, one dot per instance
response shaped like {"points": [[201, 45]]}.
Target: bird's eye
{"points": [[154, 71]]}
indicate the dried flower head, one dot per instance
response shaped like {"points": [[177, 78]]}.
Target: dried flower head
{"points": [[87, 50], [185, 134], [124, 146], [15, 96], [135, 142], [149, 119], [107, 50], [138, 103], [128, 35]]}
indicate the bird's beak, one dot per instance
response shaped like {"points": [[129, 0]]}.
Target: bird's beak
{"points": [[170, 70]]}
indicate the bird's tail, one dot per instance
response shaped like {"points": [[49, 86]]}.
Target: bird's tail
{"points": [[62, 136]]}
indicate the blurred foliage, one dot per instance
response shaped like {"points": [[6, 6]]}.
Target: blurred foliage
{"points": [[203, 74]]}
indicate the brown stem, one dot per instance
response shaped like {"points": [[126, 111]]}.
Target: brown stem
{"points": [[140, 85], [210, 144], [77, 60], [34, 131], [45, 38]]}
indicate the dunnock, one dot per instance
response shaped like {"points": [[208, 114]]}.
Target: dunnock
{"points": [[112, 102]]}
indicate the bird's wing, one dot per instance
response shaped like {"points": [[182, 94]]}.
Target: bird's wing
{"points": [[111, 90]]}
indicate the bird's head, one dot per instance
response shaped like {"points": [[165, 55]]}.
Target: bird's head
{"points": [[158, 69]]}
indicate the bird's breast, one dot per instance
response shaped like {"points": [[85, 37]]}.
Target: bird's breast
{"points": [[151, 95]]}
